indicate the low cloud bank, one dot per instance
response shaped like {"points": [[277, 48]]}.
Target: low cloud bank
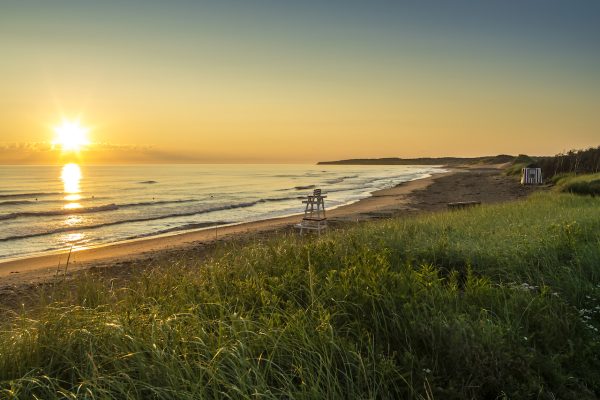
{"points": [[46, 153]]}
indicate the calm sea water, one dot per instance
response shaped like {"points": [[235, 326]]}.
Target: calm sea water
{"points": [[49, 208]]}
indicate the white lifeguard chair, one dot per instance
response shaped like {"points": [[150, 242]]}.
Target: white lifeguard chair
{"points": [[314, 218], [531, 176]]}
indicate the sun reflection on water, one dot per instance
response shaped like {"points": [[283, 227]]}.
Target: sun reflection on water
{"points": [[71, 206], [73, 220], [71, 175], [73, 197], [73, 239]]}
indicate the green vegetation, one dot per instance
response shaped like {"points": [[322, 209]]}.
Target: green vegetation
{"points": [[520, 162], [572, 162], [493, 302], [578, 184]]}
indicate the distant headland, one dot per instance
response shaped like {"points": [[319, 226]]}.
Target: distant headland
{"points": [[499, 159]]}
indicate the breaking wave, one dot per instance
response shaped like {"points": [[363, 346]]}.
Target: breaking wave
{"points": [[142, 219], [34, 194]]}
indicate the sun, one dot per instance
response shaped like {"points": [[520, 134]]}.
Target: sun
{"points": [[71, 136]]}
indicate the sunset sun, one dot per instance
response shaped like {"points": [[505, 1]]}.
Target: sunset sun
{"points": [[71, 136]]}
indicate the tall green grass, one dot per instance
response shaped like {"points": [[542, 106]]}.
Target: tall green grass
{"points": [[493, 302], [587, 184]]}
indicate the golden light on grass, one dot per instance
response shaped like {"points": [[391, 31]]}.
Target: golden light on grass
{"points": [[71, 136]]}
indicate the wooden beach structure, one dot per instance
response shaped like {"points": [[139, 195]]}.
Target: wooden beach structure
{"points": [[314, 218], [531, 176]]}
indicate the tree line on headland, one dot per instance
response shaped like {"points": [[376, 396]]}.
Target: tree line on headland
{"points": [[574, 161]]}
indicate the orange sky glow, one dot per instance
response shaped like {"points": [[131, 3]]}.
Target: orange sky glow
{"points": [[279, 83]]}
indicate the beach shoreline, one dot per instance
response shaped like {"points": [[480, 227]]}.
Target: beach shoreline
{"points": [[221, 226], [47, 263], [483, 183]]}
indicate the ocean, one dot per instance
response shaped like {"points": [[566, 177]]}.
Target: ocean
{"points": [[50, 208]]}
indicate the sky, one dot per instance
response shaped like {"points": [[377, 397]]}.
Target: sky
{"points": [[298, 81]]}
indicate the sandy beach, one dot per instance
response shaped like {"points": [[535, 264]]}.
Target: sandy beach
{"points": [[486, 184]]}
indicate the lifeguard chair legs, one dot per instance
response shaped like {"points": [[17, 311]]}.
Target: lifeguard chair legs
{"points": [[314, 213]]}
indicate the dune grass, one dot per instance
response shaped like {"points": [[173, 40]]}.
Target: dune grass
{"points": [[493, 302], [518, 163], [586, 184]]}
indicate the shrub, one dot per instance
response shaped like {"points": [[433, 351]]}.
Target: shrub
{"points": [[580, 184]]}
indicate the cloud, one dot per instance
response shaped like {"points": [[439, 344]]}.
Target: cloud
{"points": [[45, 153], [25, 153]]}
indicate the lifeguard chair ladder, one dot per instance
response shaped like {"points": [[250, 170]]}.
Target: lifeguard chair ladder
{"points": [[314, 214]]}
